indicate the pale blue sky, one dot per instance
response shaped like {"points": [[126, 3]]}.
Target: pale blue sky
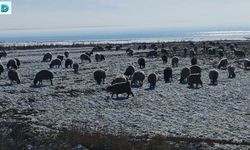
{"points": [[155, 13]]}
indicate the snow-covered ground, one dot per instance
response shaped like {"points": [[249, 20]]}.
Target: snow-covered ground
{"points": [[216, 112]]}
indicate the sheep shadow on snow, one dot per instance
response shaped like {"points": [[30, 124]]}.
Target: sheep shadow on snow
{"points": [[38, 86]]}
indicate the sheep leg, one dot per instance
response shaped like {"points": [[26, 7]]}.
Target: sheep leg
{"points": [[51, 82]]}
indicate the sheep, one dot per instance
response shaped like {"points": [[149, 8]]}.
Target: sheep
{"points": [[168, 74], [239, 53], [99, 76], [185, 72], [1, 69], [119, 79], [56, 62], [141, 62], [68, 63], [3, 54], [12, 64], [164, 59], [185, 52], [85, 57], [211, 51], [194, 79], [152, 54], [118, 47], [195, 69], [175, 61], [43, 75], [60, 57], [99, 57], [231, 71], [120, 88], [138, 78], [246, 63], [13, 76], [129, 52], [152, 78], [47, 57], [66, 54], [213, 76], [129, 71], [194, 61], [76, 67], [223, 63], [164, 52]]}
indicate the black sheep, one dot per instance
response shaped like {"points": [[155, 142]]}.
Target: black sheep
{"points": [[85, 57], [13, 76], [213, 76], [120, 88], [168, 74], [47, 57], [12, 64], [99, 76], [129, 71], [141, 62], [194, 79], [152, 78], [43, 75], [76, 67], [68, 63]]}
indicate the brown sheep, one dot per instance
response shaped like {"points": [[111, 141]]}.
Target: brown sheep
{"points": [[231, 71], [194, 79], [185, 72], [13, 76], [175, 61], [99, 76], [213, 76], [168, 74], [120, 88], [138, 78], [152, 78], [141, 62], [129, 71], [223, 63]]}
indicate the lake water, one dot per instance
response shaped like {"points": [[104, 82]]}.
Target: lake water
{"points": [[127, 34]]}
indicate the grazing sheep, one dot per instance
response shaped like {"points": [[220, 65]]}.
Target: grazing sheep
{"points": [[164, 59], [185, 72], [1, 69], [129, 52], [119, 79], [164, 52], [118, 47], [99, 76], [60, 57], [129, 71], [213, 76], [194, 61], [152, 54], [175, 61], [168, 74], [18, 62], [246, 63], [99, 57], [43, 75], [56, 62], [223, 63], [192, 53], [120, 88], [3, 54], [239, 53], [85, 57], [231, 71], [68, 63], [194, 79], [195, 69], [76, 67], [66, 54], [47, 57], [141, 62], [138, 78], [12, 64], [13, 76], [152, 78]]}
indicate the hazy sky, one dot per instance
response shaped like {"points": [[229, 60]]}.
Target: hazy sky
{"points": [[169, 13]]}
